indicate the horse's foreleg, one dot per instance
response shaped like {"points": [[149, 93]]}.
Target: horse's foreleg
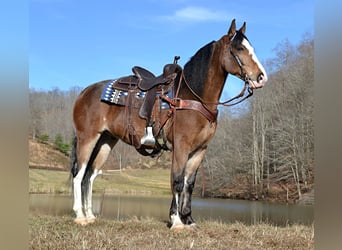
{"points": [[183, 184], [177, 187], [189, 184]]}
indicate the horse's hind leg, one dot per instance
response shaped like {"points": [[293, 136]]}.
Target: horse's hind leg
{"points": [[90, 217], [83, 150], [105, 145], [91, 154]]}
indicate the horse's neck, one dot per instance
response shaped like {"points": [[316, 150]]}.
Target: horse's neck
{"points": [[212, 85], [216, 77]]}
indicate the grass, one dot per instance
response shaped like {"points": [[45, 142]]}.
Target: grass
{"points": [[60, 232], [51, 232], [48, 181], [149, 181]]}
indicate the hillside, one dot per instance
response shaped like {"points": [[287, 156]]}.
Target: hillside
{"points": [[45, 155]]}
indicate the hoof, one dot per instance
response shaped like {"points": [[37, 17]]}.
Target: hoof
{"points": [[177, 227], [81, 221], [180, 227], [91, 220], [192, 226]]}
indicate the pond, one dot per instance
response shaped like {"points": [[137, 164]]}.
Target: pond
{"points": [[223, 210]]}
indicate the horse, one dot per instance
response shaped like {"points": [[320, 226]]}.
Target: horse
{"points": [[188, 125]]}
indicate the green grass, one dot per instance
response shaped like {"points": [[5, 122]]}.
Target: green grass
{"points": [[48, 181], [147, 181]]}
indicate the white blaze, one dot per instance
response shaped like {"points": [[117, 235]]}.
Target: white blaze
{"points": [[254, 57]]}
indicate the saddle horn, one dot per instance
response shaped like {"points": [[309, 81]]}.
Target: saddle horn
{"points": [[175, 61]]}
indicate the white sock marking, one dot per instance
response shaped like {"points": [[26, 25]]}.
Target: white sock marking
{"points": [[77, 207]]}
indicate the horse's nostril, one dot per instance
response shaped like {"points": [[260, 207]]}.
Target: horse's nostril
{"points": [[260, 77]]}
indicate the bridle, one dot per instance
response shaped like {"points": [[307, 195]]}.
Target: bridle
{"points": [[245, 79], [240, 95]]}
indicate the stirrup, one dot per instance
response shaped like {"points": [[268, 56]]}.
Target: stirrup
{"points": [[148, 138]]}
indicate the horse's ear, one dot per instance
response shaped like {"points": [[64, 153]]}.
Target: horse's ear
{"points": [[232, 29], [243, 28]]}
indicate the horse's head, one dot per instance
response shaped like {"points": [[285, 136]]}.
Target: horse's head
{"points": [[239, 58]]}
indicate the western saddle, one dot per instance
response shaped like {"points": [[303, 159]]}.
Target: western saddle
{"points": [[146, 80], [148, 83]]}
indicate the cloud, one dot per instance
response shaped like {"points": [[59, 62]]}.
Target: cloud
{"points": [[198, 14]]}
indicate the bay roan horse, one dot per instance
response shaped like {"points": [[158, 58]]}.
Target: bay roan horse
{"points": [[189, 123]]}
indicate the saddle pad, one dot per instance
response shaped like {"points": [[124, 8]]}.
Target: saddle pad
{"points": [[114, 96], [111, 95], [107, 93]]}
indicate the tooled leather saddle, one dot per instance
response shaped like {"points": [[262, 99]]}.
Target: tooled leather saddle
{"points": [[148, 83], [140, 91]]}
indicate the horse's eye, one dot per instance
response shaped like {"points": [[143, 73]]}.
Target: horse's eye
{"points": [[240, 48]]}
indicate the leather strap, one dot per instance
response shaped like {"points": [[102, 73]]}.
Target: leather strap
{"points": [[198, 106], [180, 104]]}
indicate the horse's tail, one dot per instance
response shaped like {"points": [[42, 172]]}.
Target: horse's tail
{"points": [[85, 182], [74, 166], [74, 171]]}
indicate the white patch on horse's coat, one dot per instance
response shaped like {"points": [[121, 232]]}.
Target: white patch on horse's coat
{"points": [[185, 198], [248, 46], [177, 203], [175, 218], [77, 207], [88, 205]]}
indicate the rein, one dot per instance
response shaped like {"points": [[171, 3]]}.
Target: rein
{"points": [[225, 103], [242, 93]]}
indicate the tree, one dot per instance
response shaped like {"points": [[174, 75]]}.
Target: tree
{"points": [[272, 142]]}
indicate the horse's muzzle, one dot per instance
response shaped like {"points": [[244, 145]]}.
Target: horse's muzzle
{"points": [[259, 83]]}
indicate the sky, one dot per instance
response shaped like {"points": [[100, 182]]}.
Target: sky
{"points": [[76, 43]]}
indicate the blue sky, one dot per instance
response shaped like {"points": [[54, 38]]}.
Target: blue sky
{"points": [[76, 43]]}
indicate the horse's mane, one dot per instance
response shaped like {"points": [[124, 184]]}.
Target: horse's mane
{"points": [[196, 69]]}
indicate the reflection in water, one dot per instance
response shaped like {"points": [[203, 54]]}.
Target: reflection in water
{"points": [[228, 211]]}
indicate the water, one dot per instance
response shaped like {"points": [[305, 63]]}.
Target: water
{"points": [[224, 210]]}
